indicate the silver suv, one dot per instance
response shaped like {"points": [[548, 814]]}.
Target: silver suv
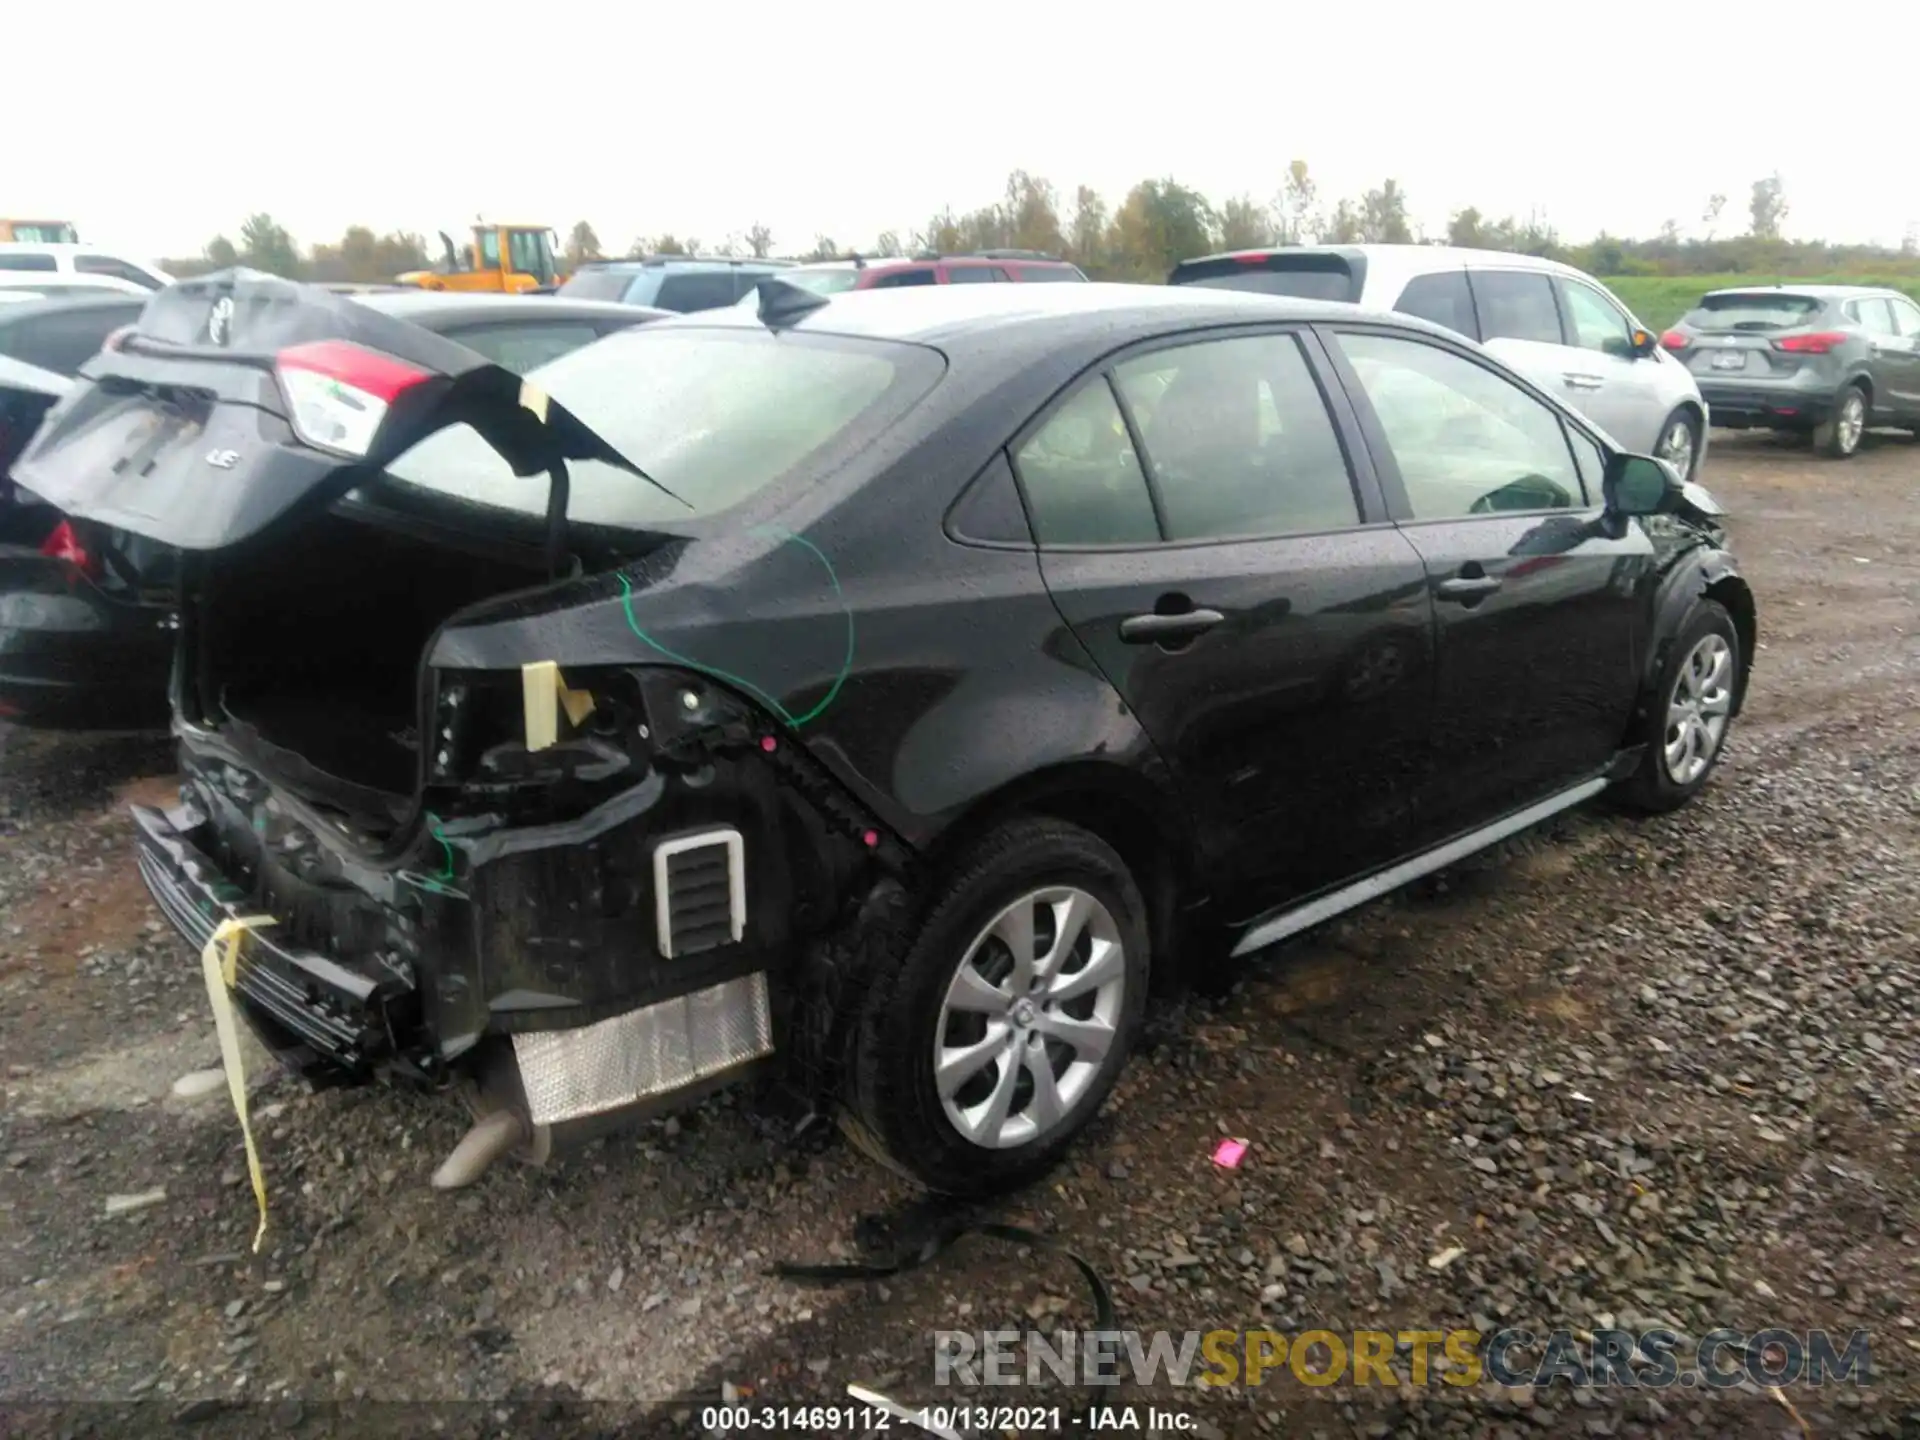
{"points": [[1825, 360], [1556, 325]]}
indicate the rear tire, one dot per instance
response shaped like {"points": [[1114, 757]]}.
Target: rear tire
{"points": [[1689, 713], [1840, 436], [962, 1000], [1680, 441]]}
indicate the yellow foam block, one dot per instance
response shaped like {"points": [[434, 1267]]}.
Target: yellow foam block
{"points": [[543, 695]]}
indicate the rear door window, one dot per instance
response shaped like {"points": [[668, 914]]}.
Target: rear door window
{"points": [[1907, 316], [26, 260], [1044, 274], [1442, 298], [706, 290], [896, 278], [521, 348], [974, 274], [1516, 305], [1238, 439]]}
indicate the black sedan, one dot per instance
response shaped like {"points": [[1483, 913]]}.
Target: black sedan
{"points": [[879, 691], [87, 615]]}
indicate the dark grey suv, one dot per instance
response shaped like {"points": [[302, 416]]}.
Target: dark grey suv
{"points": [[1826, 360]]}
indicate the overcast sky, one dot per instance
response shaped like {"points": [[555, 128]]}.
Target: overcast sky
{"points": [[851, 120]]}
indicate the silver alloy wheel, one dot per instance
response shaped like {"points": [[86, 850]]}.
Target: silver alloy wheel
{"points": [[1698, 709], [1031, 1018], [1851, 423], [1676, 448]]}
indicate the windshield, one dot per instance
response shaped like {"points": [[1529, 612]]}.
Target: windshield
{"points": [[1765, 311], [597, 285], [714, 415], [822, 282]]}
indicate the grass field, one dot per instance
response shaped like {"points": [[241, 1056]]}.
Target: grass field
{"points": [[1659, 300]]}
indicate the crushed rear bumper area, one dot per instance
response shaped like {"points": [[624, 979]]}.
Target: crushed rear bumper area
{"points": [[624, 961], [322, 1019]]}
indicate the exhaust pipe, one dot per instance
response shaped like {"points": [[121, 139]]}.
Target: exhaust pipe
{"points": [[501, 1126], [491, 1137]]}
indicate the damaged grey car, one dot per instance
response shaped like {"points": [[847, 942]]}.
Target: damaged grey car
{"points": [[872, 694]]}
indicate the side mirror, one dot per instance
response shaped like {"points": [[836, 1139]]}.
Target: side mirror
{"points": [[1637, 485], [1645, 342]]}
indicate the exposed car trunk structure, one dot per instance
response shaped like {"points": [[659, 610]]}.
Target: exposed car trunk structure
{"points": [[314, 669], [534, 879]]}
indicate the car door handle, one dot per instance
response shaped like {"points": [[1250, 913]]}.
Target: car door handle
{"points": [[1583, 382], [1468, 587], [1159, 629]]}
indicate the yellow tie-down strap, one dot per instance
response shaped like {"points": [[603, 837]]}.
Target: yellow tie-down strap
{"points": [[217, 963]]}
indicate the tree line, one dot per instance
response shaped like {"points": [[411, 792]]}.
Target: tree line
{"points": [[1155, 225]]}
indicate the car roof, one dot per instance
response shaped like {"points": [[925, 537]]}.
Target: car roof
{"points": [[965, 317], [432, 309], [685, 262], [1401, 261]]}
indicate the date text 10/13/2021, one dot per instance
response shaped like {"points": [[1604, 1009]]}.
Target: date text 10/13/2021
{"points": [[1035, 1420]]}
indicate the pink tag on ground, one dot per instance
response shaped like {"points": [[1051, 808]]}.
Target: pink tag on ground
{"points": [[1229, 1153]]}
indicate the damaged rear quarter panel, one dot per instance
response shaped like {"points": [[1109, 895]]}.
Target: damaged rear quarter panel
{"points": [[963, 680]]}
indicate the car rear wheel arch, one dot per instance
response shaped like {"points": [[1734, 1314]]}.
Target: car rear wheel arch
{"points": [[1146, 827]]}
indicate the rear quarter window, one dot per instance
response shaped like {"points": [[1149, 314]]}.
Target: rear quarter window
{"points": [[598, 285], [703, 290], [1442, 298]]}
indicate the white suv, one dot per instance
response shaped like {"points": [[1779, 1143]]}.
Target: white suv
{"points": [[1556, 325], [31, 264]]}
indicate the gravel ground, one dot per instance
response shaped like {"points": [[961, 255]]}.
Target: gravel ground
{"points": [[1615, 1074]]}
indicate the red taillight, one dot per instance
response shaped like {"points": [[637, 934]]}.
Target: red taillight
{"points": [[338, 392], [1674, 340], [64, 544], [380, 376], [1822, 342]]}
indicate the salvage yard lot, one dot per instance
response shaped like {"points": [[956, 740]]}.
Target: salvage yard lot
{"points": [[1637, 1072]]}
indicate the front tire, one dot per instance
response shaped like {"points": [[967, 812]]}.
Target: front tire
{"points": [[1685, 729], [1679, 443], [1839, 437], [990, 1045]]}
